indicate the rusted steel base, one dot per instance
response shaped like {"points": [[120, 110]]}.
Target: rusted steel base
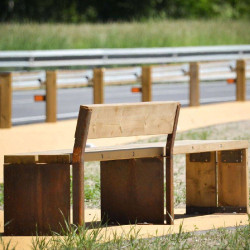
{"points": [[211, 210], [132, 191], [36, 198]]}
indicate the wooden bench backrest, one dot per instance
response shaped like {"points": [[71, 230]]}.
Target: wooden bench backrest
{"points": [[116, 120], [130, 119]]}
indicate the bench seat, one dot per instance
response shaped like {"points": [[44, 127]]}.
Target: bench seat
{"points": [[120, 152]]}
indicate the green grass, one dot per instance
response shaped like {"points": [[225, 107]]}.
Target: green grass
{"points": [[157, 33], [81, 238]]}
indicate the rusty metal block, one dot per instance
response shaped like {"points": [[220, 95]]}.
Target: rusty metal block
{"points": [[36, 198], [211, 210], [200, 157], [232, 156], [132, 191], [200, 210]]}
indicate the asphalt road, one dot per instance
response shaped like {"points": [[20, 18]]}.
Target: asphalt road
{"points": [[25, 110]]}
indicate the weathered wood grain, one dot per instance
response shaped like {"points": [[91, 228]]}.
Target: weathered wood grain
{"points": [[51, 96], [233, 182], [130, 151], [201, 182], [122, 120]]}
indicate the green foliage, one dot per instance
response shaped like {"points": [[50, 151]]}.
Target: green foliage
{"points": [[153, 33], [113, 10]]}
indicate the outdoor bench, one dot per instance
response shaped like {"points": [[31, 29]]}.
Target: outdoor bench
{"points": [[37, 185]]}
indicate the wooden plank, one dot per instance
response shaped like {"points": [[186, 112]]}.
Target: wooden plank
{"points": [[81, 135], [123, 152], [128, 151], [169, 168], [146, 81], [156, 149], [201, 182], [5, 100], [194, 84], [51, 96], [241, 80], [98, 86], [196, 146], [20, 159], [233, 182], [132, 191], [63, 158], [41, 192], [116, 120]]}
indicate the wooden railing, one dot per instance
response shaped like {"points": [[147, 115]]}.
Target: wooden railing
{"points": [[145, 75]]}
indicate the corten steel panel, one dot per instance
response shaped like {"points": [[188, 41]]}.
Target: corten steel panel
{"points": [[35, 197], [132, 191]]}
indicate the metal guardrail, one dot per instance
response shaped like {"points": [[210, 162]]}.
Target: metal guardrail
{"points": [[145, 75], [210, 71], [131, 56]]}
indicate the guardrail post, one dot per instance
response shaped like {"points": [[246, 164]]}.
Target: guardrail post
{"points": [[51, 96], [146, 83], [241, 80], [98, 84], [194, 84], [5, 100]]}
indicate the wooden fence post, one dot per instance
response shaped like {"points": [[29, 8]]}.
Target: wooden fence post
{"points": [[51, 96], [98, 86], [146, 84], [241, 80], [5, 100], [194, 84]]}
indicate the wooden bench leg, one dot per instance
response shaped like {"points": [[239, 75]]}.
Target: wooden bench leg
{"points": [[201, 194], [132, 191], [233, 181], [36, 198]]}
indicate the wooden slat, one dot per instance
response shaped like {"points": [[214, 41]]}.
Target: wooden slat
{"points": [[232, 182], [201, 182], [63, 158], [124, 152], [98, 86], [5, 100], [20, 159], [78, 161], [196, 146], [120, 152], [117, 120], [51, 96], [194, 84], [241, 80], [146, 82]]}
